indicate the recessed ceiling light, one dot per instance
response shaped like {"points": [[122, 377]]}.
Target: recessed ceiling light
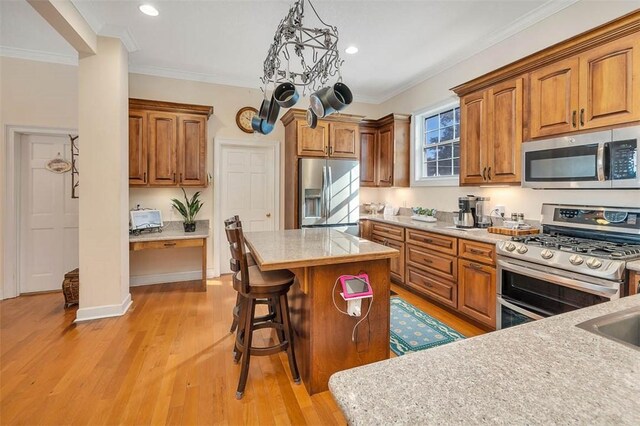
{"points": [[351, 50], [147, 9]]}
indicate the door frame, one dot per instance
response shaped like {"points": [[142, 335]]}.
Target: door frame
{"points": [[218, 145], [11, 219]]}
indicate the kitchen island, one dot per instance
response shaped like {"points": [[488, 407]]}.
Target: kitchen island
{"points": [[543, 372], [323, 336]]}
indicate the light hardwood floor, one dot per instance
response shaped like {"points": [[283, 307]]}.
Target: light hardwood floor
{"points": [[167, 361]]}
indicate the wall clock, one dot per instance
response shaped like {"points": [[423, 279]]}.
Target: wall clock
{"points": [[243, 118]]}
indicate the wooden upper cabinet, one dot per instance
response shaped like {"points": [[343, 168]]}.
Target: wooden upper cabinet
{"points": [[368, 156], [610, 83], [163, 134], [385, 156], [137, 147], [504, 142], [554, 98], [344, 140], [473, 136], [313, 142], [167, 143], [191, 151]]}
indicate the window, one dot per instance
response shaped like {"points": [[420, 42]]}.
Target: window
{"points": [[437, 138]]}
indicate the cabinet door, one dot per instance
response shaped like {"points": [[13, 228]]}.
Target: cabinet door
{"points": [[634, 283], [473, 134], [192, 145], [313, 142], [397, 263], [137, 147], [609, 84], [477, 291], [344, 140], [368, 157], [385, 156], [163, 133], [554, 98], [503, 146]]}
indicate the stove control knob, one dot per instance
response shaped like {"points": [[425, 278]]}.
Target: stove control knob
{"points": [[594, 263], [509, 247], [575, 259], [522, 249], [546, 254]]}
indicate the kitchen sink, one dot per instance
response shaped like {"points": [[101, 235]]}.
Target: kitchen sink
{"points": [[622, 327]]}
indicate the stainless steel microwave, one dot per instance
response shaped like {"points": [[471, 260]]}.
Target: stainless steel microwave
{"points": [[607, 159]]}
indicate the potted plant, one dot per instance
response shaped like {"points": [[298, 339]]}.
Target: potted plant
{"points": [[189, 209], [424, 215]]}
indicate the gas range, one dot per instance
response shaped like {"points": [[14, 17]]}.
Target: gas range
{"points": [[589, 240]]}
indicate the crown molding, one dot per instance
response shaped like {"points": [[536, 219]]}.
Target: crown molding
{"points": [[38, 55], [550, 8]]}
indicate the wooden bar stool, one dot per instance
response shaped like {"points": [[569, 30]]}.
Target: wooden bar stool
{"points": [[253, 284]]}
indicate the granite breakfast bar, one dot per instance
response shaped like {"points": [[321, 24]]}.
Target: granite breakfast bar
{"points": [[323, 335]]}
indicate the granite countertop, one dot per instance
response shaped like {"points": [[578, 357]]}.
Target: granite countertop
{"points": [[439, 227], [544, 372], [634, 266], [294, 248], [173, 230]]}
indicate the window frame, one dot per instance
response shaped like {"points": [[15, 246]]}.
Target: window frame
{"points": [[417, 134]]}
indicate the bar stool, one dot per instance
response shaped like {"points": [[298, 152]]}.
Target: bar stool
{"points": [[253, 284]]}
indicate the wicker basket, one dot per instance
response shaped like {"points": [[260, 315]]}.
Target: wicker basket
{"points": [[71, 287]]}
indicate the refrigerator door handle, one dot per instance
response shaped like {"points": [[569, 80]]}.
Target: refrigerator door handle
{"points": [[323, 204], [330, 184]]}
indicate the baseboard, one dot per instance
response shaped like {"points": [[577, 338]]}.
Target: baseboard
{"points": [[173, 277], [105, 311]]}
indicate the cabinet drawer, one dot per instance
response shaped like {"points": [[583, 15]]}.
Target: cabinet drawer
{"points": [[387, 231], [441, 243], [397, 263], [480, 252], [441, 290], [145, 245], [433, 262]]}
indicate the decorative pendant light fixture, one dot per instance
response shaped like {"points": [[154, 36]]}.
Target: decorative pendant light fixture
{"points": [[302, 58]]}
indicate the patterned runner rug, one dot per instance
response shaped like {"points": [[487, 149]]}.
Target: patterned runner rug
{"points": [[412, 330]]}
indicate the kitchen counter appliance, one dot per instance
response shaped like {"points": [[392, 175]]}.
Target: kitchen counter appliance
{"points": [[467, 212], [607, 159], [578, 261]]}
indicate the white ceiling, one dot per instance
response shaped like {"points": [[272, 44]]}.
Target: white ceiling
{"points": [[401, 42]]}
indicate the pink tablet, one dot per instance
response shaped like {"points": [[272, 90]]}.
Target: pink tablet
{"points": [[355, 286]]}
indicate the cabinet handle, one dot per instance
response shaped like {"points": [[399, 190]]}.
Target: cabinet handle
{"points": [[484, 174], [476, 251], [489, 173], [427, 284], [582, 117], [330, 150], [169, 244], [144, 177], [427, 261], [574, 118], [181, 177], [475, 266], [174, 178]]}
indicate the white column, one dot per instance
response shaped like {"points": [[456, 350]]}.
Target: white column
{"points": [[103, 126]]}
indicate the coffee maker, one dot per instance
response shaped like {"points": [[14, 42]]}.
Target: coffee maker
{"points": [[467, 212]]}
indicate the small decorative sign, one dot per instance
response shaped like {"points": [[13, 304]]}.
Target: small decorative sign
{"points": [[58, 165]]}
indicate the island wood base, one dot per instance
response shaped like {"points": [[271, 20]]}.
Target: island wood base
{"points": [[322, 338]]}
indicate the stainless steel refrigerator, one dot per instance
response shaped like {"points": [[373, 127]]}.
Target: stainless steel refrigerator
{"points": [[329, 193]]}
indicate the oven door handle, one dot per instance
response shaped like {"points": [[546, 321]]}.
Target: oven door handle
{"points": [[519, 310], [566, 282], [600, 162]]}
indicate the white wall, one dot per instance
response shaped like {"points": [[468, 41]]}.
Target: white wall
{"points": [[571, 21]]}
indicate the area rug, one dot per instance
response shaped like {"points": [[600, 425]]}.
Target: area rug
{"points": [[412, 330]]}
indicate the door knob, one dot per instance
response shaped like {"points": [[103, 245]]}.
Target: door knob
{"points": [[268, 214]]}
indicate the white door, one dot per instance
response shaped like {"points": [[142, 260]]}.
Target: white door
{"points": [[48, 215], [247, 188]]}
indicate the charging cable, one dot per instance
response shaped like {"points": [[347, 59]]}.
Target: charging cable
{"points": [[333, 297]]}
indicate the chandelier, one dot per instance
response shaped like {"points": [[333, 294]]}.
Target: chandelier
{"points": [[302, 59]]}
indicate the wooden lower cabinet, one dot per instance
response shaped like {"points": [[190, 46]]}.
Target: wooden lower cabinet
{"points": [[477, 291], [424, 282], [634, 283], [397, 263]]}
